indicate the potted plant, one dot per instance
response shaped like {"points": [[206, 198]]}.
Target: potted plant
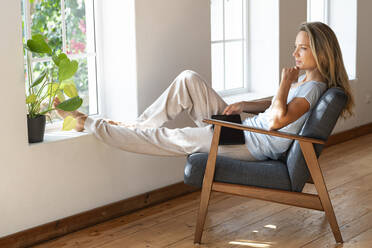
{"points": [[51, 82]]}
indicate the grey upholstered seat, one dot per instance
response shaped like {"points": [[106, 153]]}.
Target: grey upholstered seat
{"points": [[290, 173]]}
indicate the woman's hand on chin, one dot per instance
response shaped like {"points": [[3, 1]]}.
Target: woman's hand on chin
{"points": [[290, 75]]}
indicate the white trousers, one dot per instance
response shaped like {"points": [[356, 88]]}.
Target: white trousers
{"points": [[188, 92]]}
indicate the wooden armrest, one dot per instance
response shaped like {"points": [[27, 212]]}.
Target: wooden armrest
{"points": [[263, 131]]}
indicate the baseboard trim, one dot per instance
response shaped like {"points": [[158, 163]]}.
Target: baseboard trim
{"points": [[95, 216], [92, 217], [349, 134]]}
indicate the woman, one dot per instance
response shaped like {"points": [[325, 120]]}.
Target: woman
{"points": [[316, 52]]}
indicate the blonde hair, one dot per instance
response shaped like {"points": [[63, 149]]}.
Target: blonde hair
{"points": [[327, 54]]}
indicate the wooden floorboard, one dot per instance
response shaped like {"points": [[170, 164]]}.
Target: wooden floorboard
{"points": [[234, 221]]}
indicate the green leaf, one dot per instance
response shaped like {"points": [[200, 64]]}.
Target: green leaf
{"points": [[52, 88], [57, 59], [31, 99], [69, 88], [60, 95], [46, 111], [39, 79], [69, 123], [65, 82], [38, 44], [67, 69], [71, 104]]}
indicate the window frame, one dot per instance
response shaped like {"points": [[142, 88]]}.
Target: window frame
{"points": [[245, 50], [92, 86], [326, 19]]}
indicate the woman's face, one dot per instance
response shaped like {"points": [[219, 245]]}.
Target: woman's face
{"points": [[302, 53]]}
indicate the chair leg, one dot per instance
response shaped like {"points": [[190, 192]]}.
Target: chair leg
{"points": [[317, 176], [207, 185]]}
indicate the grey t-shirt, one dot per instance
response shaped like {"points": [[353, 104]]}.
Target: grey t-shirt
{"points": [[264, 146]]}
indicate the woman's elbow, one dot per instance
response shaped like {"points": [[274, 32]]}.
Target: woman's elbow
{"points": [[274, 124], [276, 121]]}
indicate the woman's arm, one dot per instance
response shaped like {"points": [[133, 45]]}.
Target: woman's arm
{"points": [[282, 113], [255, 107]]}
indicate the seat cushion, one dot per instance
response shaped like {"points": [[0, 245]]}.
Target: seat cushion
{"points": [[268, 174]]}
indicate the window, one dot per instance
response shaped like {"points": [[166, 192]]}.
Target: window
{"points": [[245, 47], [69, 26], [228, 45], [317, 10], [341, 16]]}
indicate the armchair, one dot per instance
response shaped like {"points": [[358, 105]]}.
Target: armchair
{"points": [[279, 181]]}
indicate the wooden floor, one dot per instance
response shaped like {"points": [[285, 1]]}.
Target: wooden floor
{"points": [[234, 221]]}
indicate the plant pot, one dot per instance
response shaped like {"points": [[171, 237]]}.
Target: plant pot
{"points": [[36, 128]]}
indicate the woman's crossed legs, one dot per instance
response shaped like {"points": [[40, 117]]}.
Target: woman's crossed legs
{"points": [[188, 92]]}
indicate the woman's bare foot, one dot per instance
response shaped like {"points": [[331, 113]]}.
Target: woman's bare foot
{"points": [[80, 117], [60, 113], [63, 114]]}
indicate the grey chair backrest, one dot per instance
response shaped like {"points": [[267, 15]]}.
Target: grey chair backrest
{"points": [[319, 125]]}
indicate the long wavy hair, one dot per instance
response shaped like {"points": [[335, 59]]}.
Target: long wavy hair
{"points": [[327, 54]]}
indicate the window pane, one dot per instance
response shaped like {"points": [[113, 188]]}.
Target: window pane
{"points": [[24, 36], [75, 26], [216, 20], [217, 67], [46, 20], [90, 29], [233, 19], [81, 80], [316, 10], [37, 69], [92, 82], [343, 21], [23, 22], [234, 64]]}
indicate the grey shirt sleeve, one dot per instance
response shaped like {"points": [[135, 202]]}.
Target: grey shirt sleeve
{"points": [[311, 91]]}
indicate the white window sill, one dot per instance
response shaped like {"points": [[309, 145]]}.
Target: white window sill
{"points": [[247, 96], [55, 136], [61, 135], [54, 132], [353, 80]]}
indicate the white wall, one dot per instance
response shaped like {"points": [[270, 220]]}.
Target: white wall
{"points": [[289, 21], [45, 182], [172, 36]]}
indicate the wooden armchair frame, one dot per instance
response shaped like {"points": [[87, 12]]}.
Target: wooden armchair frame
{"points": [[321, 201]]}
